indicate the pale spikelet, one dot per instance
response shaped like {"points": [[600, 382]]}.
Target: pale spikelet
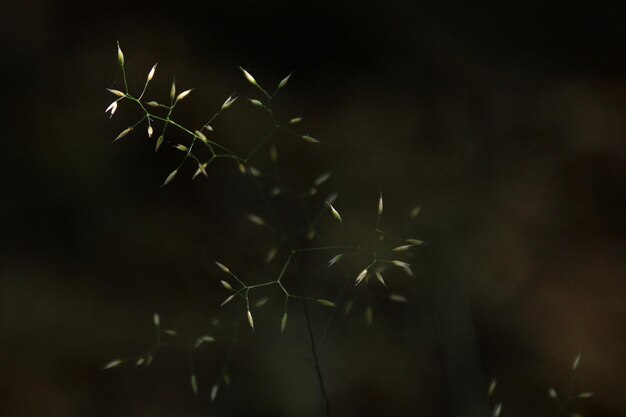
{"points": [[361, 276], [114, 363], [250, 320], [181, 148], [258, 220], [151, 73], [201, 170], [335, 213], [379, 277], [249, 77], [214, 390], [309, 138], [201, 136], [223, 267], [415, 242], [227, 300], [203, 339], [229, 101], [552, 392], [369, 315], [497, 410], [140, 361], [270, 255], [169, 178], [321, 179], [150, 131], [255, 171], [334, 260], [284, 81], [152, 103], [227, 285], [116, 92], [402, 248], [283, 323], [380, 204], [261, 302], [241, 167], [255, 102], [123, 133], [326, 303], [403, 265], [158, 143], [173, 90], [170, 332], [492, 387], [295, 120], [156, 319], [194, 383], [120, 55], [576, 362], [273, 153], [112, 107], [585, 395], [183, 94], [397, 298], [415, 211], [209, 128]]}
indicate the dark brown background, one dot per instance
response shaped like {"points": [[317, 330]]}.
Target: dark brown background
{"points": [[505, 121]]}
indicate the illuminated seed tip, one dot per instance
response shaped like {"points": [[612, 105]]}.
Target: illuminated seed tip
{"points": [[497, 410], [403, 265], [397, 298], [152, 104], [335, 259], [255, 171], [114, 363], [201, 136], [226, 285], [379, 277], [201, 170], [415, 211], [173, 90], [250, 320], [552, 392], [295, 120], [194, 384], [150, 131], [415, 241], [380, 204], [229, 101], [116, 92], [335, 213], [249, 77], [310, 139], [256, 102], [214, 390], [321, 179], [402, 248], [576, 362], [229, 299], [181, 148], [112, 107], [326, 303], [209, 128], [256, 219], [151, 73], [585, 395], [183, 94], [492, 387], [120, 55], [222, 267], [158, 143], [170, 332], [284, 81], [369, 315], [361, 276], [283, 323], [203, 339], [123, 133], [170, 178], [156, 319]]}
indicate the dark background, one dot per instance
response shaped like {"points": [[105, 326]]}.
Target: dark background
{"points": [[505, 121]]}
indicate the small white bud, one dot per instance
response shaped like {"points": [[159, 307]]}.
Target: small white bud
{"points": [[183, 95], [114, 363], [335, 213], [295, 120], [150, 131], [151, 73], [123, 133], [283, 323], [310, 139], [112, 107], [249, 77], [361, 276], [226, 285], [214, 390], [116, 92], [250, 320], [222, 267], [169, 178], [335, 259], [156, 319], [120, 55], [284, 81]]}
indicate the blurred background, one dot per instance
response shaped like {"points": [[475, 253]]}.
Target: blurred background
{"points": [[504, 122]]}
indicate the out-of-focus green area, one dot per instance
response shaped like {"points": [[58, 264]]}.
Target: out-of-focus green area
{"points": [[504, 122]]}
